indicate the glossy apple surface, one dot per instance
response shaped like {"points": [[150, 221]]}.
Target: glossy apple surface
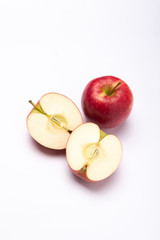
{"points": [[107, 101]]}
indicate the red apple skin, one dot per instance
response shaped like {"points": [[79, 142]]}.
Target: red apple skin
{"points": [[107, 111], [82, 174]]}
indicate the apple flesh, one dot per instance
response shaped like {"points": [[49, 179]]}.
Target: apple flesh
{"points": [[107, 101], [52, 120], [92, 154]]}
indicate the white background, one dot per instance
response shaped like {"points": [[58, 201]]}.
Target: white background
{"points": [[49, 45]]}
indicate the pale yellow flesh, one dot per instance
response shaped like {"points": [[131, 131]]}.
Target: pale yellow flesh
{"points": [[80, 137], [45, 131], [107, 161], [100, 163], [57, 104]]}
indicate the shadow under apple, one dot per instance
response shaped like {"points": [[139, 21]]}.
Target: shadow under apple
{"points": [[45, 150], [107, 183]]}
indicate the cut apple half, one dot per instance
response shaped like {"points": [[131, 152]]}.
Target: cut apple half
{"points": [[52, 120], [92, 154]]}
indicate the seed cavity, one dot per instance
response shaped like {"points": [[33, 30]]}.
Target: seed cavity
{"points": [[91, 151], [58, 121]]}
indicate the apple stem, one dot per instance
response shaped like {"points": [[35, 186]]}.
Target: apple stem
{"points": [[38, 109], [113, 90], [30, 101]]}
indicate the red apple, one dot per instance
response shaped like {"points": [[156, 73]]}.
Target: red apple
{"points": [[107, 100]]}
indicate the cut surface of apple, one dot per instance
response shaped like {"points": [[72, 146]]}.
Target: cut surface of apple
{"points": [[52, 120], [92, 154]]}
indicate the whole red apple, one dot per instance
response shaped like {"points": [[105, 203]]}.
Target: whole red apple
{"points": [[107, 100]]}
